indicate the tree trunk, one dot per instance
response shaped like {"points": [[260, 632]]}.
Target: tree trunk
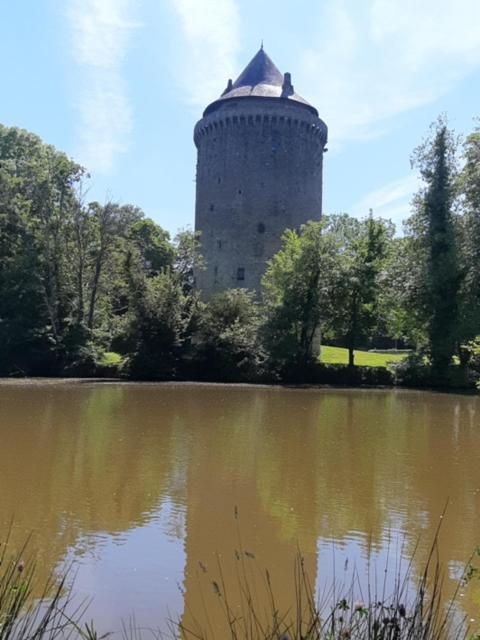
{"points": [[81, 272], [96, 280], [353, 331], [351, 356]]}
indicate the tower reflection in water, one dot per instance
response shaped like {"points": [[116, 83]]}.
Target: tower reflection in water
{"points": [[138, 483]]}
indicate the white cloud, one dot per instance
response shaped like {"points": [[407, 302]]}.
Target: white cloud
{"points": [[100, 33], [392, 201], [208, 54], [379, 58]]}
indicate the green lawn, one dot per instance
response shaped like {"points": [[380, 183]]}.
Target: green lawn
{"points": [[338, 355]]}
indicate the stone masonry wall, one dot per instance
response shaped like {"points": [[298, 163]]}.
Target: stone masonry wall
{"points": [[259, 172]]}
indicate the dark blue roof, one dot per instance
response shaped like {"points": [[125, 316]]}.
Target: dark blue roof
{"points": [[260, 79], [260, 70]]}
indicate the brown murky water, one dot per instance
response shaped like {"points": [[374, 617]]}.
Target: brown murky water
{"points": [[137, 484]]}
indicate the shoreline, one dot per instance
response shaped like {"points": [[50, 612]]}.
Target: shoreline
{"points": [[64, 382]]}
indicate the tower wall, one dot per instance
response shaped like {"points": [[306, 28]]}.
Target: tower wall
{"points": [[259, 172]]}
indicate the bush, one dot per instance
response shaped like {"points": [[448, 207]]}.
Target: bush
{"points": [[110, 365], [227, 343], [158, 328], [415, 371], [338, 374], [93, 361]]}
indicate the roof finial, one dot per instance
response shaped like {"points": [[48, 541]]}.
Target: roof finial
{"points": [[261, 45], [287, 86], [229, 86]]}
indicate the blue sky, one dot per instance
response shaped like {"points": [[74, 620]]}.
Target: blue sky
{"points": [[119, 84]]}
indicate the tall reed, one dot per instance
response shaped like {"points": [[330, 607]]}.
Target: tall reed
{"points": [[406, 607]]}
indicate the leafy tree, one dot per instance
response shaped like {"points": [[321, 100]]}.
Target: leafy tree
{"points": [[153, 245], [188, 257], [162, 306], [159, 321], [228, 342], [363, 248], [469, 183], [63, 284], [432, 230], [36, 202], [102, 237], [297, 287], [399, 302]]}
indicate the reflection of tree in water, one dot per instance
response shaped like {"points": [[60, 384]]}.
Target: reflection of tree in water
{"points": [[301, 465], [350, 466], [80, 460]]}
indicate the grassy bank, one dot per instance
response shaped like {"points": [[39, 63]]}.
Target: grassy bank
{"points": [[339, 355]]}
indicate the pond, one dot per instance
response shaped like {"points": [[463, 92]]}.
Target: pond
{"points": [[149, 490]]}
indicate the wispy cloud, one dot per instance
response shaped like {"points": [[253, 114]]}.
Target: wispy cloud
{"points": [[392, 201], [100, 34], [210, 44], [379, 58]]}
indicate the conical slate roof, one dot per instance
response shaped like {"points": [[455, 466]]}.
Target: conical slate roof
{"points": [[260, 79], [259, 71]]}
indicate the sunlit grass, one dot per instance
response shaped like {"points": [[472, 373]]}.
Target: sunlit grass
{"points": [[111, 359], [339, 355]]}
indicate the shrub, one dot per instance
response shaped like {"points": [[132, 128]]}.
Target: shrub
{"points": [[110, 365], [158, 328], [415, 371], [227, 343], [338, 374]]}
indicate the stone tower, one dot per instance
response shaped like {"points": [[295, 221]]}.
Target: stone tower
{"points": [[259, 171]]}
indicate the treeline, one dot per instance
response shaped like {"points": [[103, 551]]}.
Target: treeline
{"points": [[99, 289]]}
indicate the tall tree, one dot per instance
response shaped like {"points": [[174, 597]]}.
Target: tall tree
{"points": [[363, 247], [161, 306], [296, 290], [227, 341], [469, 184], [37, 198], [432, 228], [400, 306]]}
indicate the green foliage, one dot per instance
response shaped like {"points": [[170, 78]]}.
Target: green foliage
{"points": [[63, 277], [356, 286], [153, 246], [93, 289], [36, 198], [432, 230], [161, 315], [187, 257], [228, 345], [400, 303], [413, 371], [469, 237], [296, 288], [470, 358], [417, 372], [338, 375]]}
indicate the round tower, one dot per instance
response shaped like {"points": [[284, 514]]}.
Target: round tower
{"points": [[259, 172]]}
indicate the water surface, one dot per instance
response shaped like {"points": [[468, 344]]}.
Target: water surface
{"points": [[137, 486]]}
